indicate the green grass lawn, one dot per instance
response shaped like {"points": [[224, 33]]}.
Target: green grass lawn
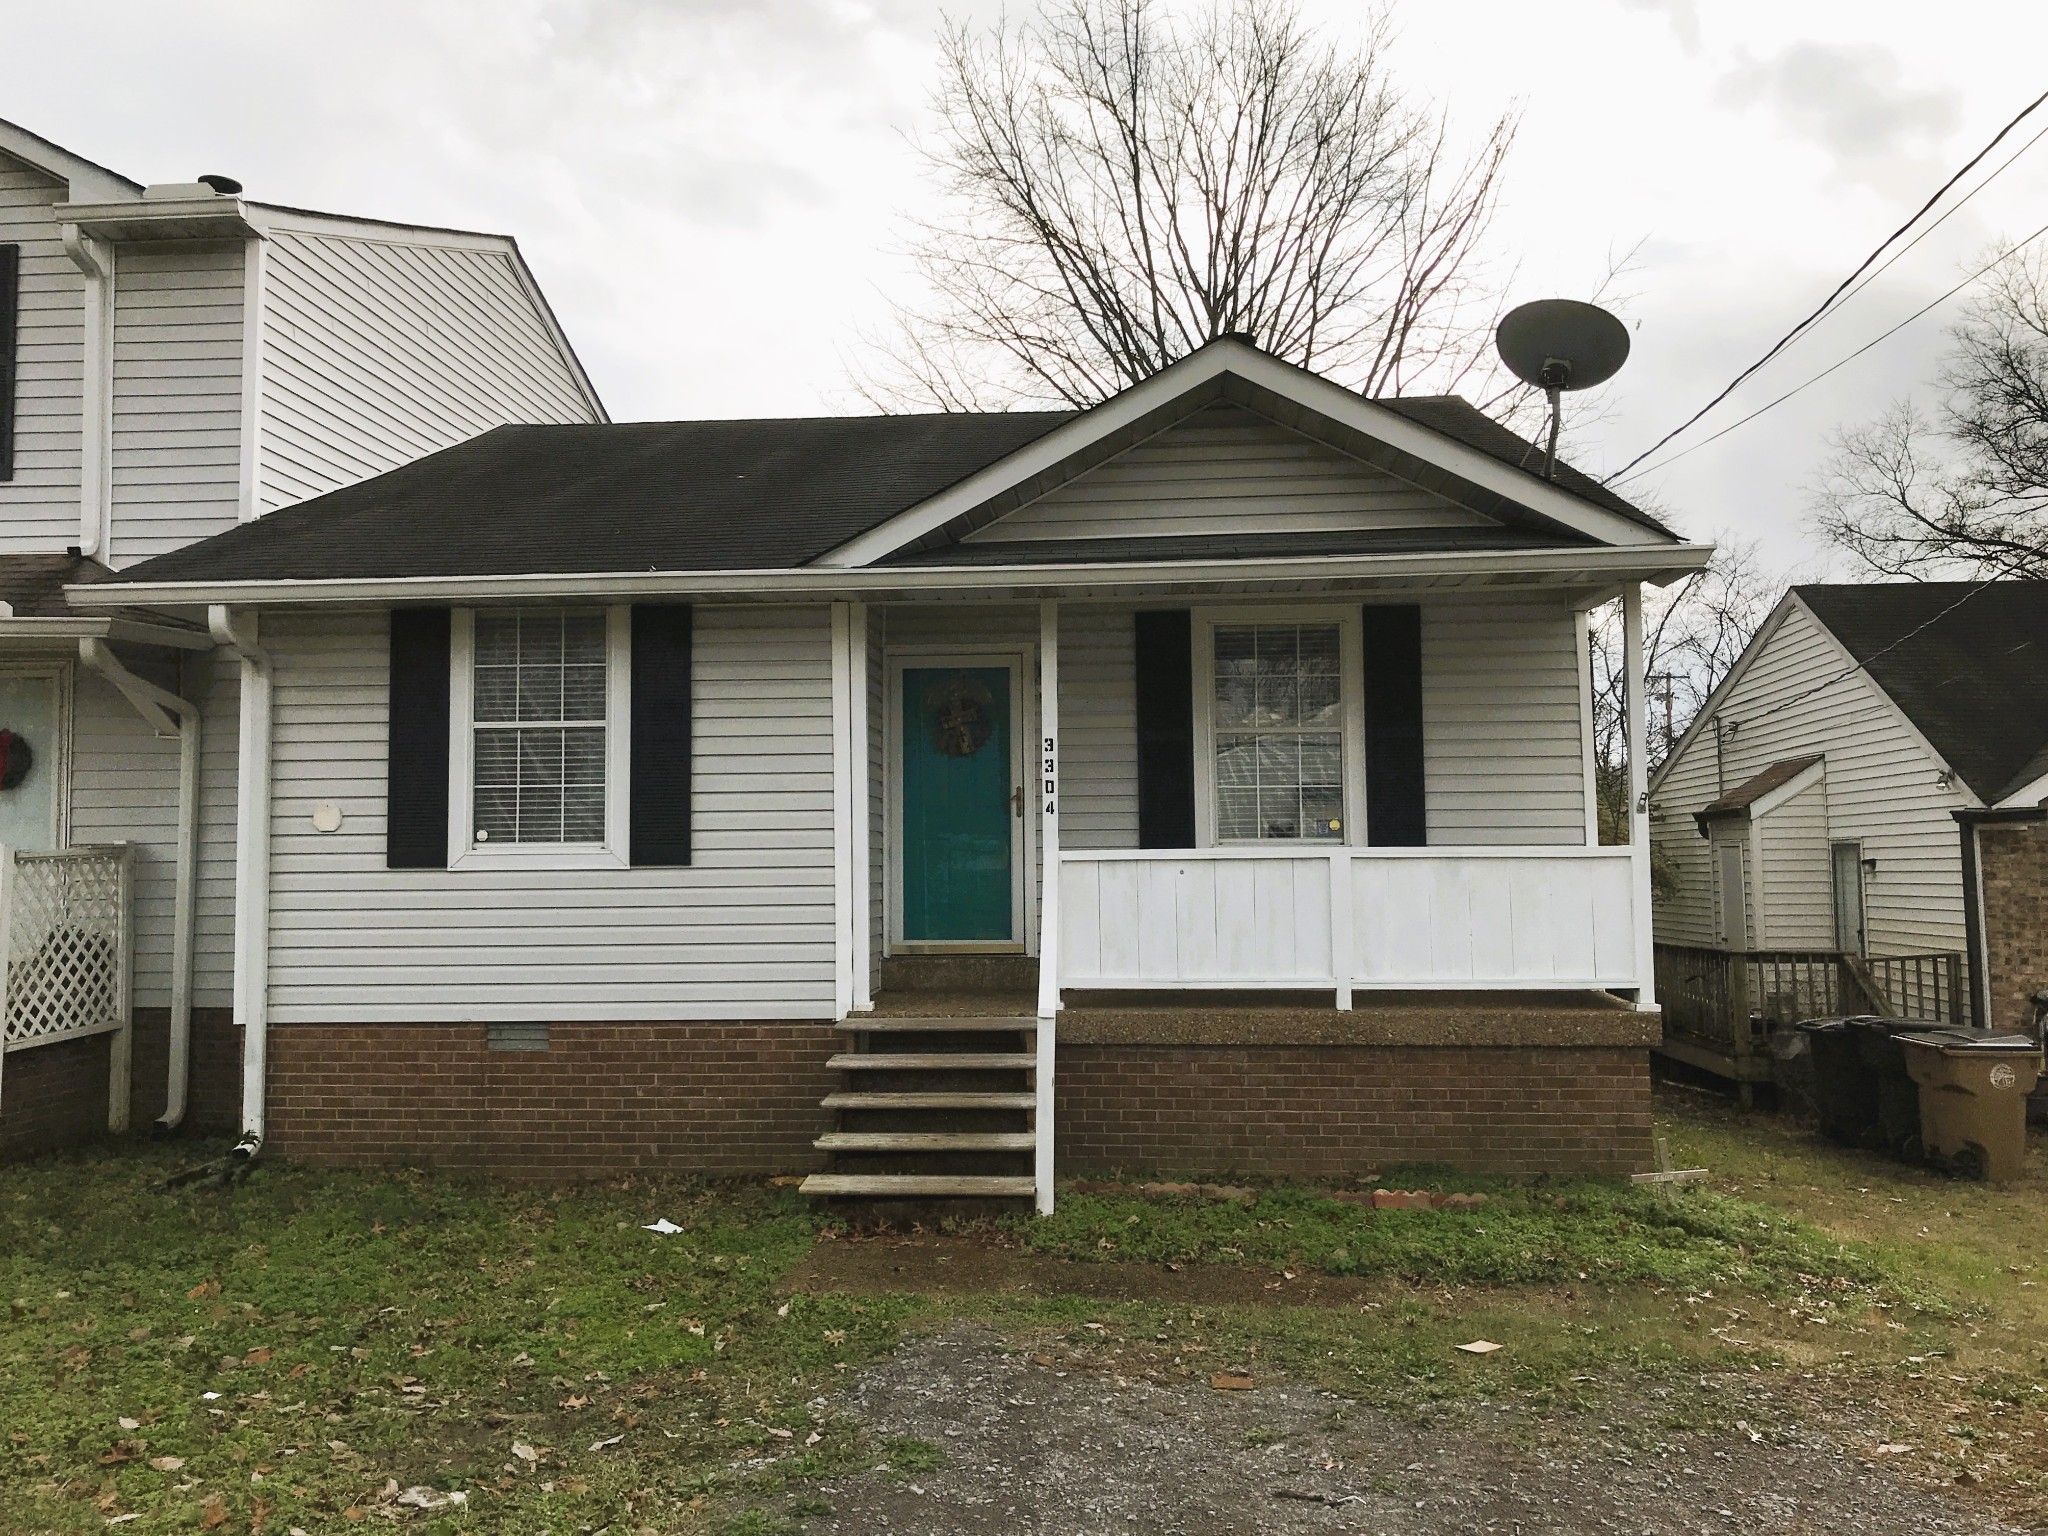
{"points": [[302, 1350]]}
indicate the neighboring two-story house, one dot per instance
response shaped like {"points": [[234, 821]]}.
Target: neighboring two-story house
{"points": [[176, 360]]}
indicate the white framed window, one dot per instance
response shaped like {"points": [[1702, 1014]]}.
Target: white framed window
{"points": [[1278, 726], [539, 710]]}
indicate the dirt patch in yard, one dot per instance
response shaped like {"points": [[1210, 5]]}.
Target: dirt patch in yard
{"points": [[985, 1438], [952, 1266]]}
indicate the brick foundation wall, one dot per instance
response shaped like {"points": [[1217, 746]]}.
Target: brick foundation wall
{"points": [[53, 1096], [2012, 861], [603, 1099], [1324, 1110]]}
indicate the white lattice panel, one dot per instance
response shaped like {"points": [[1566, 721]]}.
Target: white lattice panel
{"points": [[66, 926]]}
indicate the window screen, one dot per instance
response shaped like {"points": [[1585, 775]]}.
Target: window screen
{"points": [[1277, 720], [539, 722]]}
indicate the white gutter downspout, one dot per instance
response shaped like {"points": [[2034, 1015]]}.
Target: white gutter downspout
{"points": [[171, 716], [252, 867], [96, 404]]}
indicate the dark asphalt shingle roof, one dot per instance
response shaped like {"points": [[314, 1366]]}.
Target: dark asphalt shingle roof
{"points": [[622, 496], [1967, 662], [1228, 546], [672, 496], [33, 585], [1751, 790]]}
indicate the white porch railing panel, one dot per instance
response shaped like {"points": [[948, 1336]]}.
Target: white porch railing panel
{"points": [[1407, 917], [1559, 918], [1224, 918], [65, 917]]}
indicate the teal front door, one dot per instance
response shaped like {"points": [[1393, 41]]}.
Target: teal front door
{"points": [[957, 813]]}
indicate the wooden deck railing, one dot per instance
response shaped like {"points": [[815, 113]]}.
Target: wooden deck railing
{"points": [[1720, 1005]]}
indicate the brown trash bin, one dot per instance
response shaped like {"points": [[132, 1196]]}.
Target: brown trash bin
{"points": [[1973, 1098]]}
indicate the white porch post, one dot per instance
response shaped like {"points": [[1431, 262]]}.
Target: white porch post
{"points": [[862, 892], [1582, 622], [1047, 791], [842, 811], [1639, 792], [238, 632]]}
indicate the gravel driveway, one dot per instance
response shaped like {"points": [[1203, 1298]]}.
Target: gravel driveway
{"points": [[1032, 1447]]}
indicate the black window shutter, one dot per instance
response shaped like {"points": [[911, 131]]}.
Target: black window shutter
{"points": [[1166, 729], [1395, 816], [10, 351], [416, 817], [661, 734]]}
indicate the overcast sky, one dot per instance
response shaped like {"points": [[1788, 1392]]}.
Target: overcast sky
{"points": [[709, 189]]}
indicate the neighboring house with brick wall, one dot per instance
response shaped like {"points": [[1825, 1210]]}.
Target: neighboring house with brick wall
{"points": [[1813, 807], [1200, 780], [178, 360]]}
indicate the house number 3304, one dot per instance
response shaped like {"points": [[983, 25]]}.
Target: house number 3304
{"points": [[1049, 780]]}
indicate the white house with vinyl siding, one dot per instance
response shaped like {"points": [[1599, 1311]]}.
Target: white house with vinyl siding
{"points": [[175, 361], [1820, 802], [824, 785]]}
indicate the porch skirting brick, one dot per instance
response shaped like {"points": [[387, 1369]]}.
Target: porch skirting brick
{"points": [[55, 1096], [686, 1097], [1332, 1110]]}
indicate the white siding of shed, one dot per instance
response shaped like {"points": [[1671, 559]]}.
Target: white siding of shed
{"points": [[1500, 723], [377, 352], [1797, 885], [177, 396], [745, 932], [39, 506], [1226, 470], [1881, 791]]}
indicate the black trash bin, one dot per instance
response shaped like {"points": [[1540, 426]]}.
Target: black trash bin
{"points": [[1898, 1096], [1844, 1088]]}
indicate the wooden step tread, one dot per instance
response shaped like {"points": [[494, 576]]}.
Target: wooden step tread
{"points": [[926, 1141], [934, 1061], [966, 1023], [929, 1101], [899, 1184]]}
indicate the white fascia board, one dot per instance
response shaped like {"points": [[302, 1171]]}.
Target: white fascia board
{"points": [[1562, 567], [2027, 797], [86, 180], [1269, 373], [65, 633], [1803, 780]]}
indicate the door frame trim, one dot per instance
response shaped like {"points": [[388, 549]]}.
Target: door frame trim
{"points": [[1021, 659]]}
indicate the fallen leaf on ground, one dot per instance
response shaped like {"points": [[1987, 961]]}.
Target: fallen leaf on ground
{"points": [[524, 1451], [258, 1356], [1479, 1347], [598, 1445], [1231, 1381], [120, 1451], [214, 1514], [129, 1423], [167, 1463], [1893, 1450], [206, 1290]]}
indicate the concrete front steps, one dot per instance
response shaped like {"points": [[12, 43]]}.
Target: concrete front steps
{"points": [[937, 1105]]}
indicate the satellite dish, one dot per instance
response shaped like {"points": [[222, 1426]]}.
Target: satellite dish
{"points": [[1559, 345]]}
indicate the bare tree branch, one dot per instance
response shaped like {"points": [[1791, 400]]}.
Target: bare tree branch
{"points": [[1124, 183]]}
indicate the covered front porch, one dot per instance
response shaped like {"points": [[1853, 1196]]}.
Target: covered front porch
{"points": [[1019, 805]]}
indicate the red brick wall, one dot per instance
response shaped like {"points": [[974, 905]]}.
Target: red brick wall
{"points": [[53, 1096], [2012, 860], [602, 1099], [1321, 1110]]}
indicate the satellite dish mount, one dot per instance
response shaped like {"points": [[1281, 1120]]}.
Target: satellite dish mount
{"points": [[1557, 345]]}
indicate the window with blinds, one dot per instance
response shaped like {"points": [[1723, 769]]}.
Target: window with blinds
{"points": [[1277, 722], [539, 728]]}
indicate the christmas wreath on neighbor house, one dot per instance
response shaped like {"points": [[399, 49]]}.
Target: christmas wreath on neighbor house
{"points": [[958, 709], [16, 759]]}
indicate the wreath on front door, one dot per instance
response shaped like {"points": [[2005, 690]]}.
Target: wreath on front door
{"points": [[16, 759], [958, 709]]}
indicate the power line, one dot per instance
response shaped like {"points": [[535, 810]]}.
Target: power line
{"points": [[1869, 261], [1832, 367]]}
